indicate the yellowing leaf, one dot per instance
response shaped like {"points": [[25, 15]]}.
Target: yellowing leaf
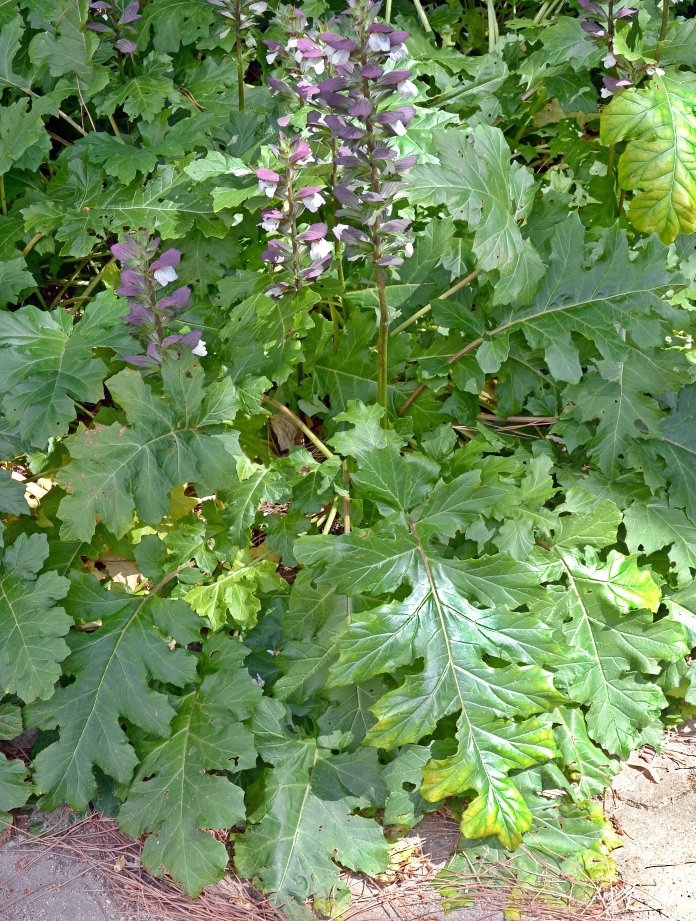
{"points": [[234, 593], [179, 503], [659, 162]]}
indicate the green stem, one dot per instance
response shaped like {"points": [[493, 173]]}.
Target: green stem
{"points": [[335, 327], [3, 200], [382, 345], [66, 118], [493, 32], [84, 409], [412, 319], [78, 270], [31, 244], [425, 22], [611, 159], [97, 278], [305, 429], [296, 255], [338, 259], [383, 336], [346, 499], [442, 297], [540, 16], [41, 300], [663, 31], [331, 517], [240, 56]]}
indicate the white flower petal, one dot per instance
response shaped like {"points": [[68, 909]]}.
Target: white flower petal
{"points": [[378, 42], [200, 349], [337, 57], [165, 275], [407, 89], [313, 202], [320, 249], [398, 53]]}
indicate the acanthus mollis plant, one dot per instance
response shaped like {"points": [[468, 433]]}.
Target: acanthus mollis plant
{"points": [[142, 281], [244, 15], [298, 254], [353, 110], [117, 24], [359, 113]]}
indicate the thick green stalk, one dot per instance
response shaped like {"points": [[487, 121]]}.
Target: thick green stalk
{"points": [[493, 32], [240, 55], [422, 15], [382, 343], [442, 297], [305, 429], [663, 31]]}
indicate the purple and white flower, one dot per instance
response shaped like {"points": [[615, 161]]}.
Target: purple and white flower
{"points": [[268, 181]]}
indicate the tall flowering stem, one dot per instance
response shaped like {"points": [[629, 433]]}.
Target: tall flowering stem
{"points": [[303, 60], [143, 279], [299, 253], [360, 115], [243, 15]]}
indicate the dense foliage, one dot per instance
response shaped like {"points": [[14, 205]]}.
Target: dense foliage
{"points": [[348, 422]]}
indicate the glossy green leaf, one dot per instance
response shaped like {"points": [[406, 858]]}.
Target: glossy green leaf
{"points": [[307, 815], [32, 626], [48, 364], [14, 789], [479, 184], [170, 440], [112, 667], [607, 606], [176, 791]]}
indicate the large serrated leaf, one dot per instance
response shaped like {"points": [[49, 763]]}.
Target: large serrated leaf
{"points": [[171, 440], [590, 297], [585, 764], [47, 365], [176, 791], [23, 141], [31, 626], [436, 623], [479, 184], [678, 447], [650, 526], [607, 606], [622, 397], [14, 789], [307, 816], [112, 668]]}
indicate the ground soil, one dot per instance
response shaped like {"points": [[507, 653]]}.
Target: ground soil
{"points": [[652, 804]]}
